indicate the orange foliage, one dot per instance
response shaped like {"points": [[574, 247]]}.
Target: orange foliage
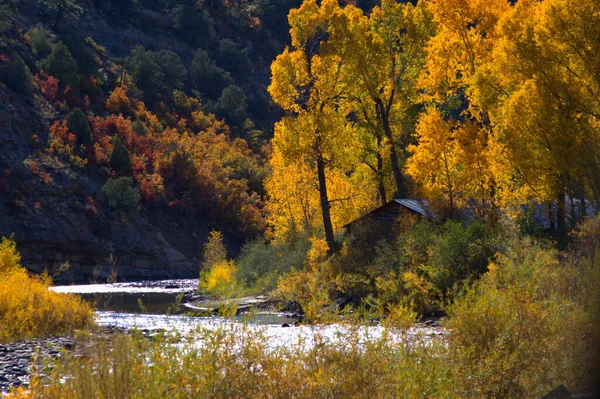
{"points": [[48, 85], [151, 187], [192, 162], [63, 142], [37, 171], [118, 102]]}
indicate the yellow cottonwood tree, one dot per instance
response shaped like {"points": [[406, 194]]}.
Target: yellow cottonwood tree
{"points": [[434, 162], [307, 83], [542, 93], [386, 51], [463, 43]]}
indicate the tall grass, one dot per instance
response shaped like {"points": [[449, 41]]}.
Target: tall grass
{"points": [[237, 363], [28, 308], [529, 325]]}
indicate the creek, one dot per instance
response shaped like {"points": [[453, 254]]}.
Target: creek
{"points": [[146, 306]]}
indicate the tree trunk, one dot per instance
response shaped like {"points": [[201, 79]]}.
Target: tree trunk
{"points": [[384, 118], [380, 185], [59, 12], [561, 217], [582, 204], [325, 206]]}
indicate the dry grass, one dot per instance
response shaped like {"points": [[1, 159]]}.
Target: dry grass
{"points": [[529, 325]]}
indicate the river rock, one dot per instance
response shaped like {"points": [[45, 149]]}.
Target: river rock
{"points": [[16, 358]]}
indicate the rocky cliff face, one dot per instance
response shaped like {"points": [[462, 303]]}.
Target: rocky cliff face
{"points": [[58, 214], [62, 223]]}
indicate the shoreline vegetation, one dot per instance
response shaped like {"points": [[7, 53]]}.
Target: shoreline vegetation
{"points": [[528, 325], [28, 309]]}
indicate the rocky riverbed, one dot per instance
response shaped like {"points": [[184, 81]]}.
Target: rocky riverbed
{"points": [[16, 358]]}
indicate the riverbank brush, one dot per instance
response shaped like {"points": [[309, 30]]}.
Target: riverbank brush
{"points": [[28, 309]]}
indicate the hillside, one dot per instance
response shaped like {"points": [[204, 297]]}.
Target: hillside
{"points": [[51, 198]]}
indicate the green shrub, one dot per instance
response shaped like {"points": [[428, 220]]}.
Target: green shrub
{"points": [[122, 196], [18, 76], [420, 262], [41, 42], [78, 124], [261, 264], [459, 253], [120, 161], [522, 330], [61, 64], [208, 78]]}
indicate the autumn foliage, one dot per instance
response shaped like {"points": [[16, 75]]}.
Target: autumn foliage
{"points": [[193, 164], [442, 100], [28, 308]]}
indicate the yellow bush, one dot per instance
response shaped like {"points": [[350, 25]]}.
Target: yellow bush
{"points": [[28, 308], [219, 278], [118, 102], [9, 257], [520, 331]]}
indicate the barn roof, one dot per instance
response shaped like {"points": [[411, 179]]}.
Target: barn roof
{"points": [[418, 206]]}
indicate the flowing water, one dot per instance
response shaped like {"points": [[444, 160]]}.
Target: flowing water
{"points": [[147, 305]]}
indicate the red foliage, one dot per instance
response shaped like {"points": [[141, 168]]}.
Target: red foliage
{"points": [[120, 127], [48, 85], [151, 187], [72, 100], [89, 206], [60, 131]]}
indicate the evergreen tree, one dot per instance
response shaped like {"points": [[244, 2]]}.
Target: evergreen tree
{"points": [[145, 73], [63, 9], [61, 64], [119, 159], [208, 78], [78, 124], [232, 106], [18, 76]]}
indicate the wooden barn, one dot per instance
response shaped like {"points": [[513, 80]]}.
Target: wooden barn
{"points": [[383, 221]]}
